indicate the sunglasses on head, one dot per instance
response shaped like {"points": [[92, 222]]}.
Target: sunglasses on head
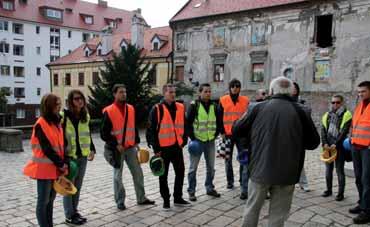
{"points": [[336, 102]]}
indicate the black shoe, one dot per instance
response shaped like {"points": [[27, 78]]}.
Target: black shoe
{"points": [[339, 197], [181, 202], [121, 207], [74, 221], [192, 197], [327, 193], [147, 202], [362, 218], [244, 196], [166, 205], [78, 215], [214, 193], [356, 210], [230, 186]]}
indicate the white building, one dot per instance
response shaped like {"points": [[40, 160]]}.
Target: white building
{"points": [[35, 32]]}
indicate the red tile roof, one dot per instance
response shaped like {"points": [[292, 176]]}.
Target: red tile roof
{"points": [[31, 12], [201, 8], [78, 56]]}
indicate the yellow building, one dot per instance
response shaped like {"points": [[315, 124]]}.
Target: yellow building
{"points": [[81, 68]]}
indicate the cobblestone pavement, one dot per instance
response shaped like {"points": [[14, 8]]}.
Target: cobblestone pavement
{"points": [[18, 198]]}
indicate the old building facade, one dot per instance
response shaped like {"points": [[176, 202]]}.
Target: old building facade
{"points": [[322, 45]]}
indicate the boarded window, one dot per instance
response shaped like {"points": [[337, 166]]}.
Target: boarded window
{"points": [[179, 73]]}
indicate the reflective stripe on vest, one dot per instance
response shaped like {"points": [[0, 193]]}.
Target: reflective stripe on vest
{"points": [[41, 167], [205, 123], [347, 116], [361, 126], [83, 137], [118, 120], [232, 112], [171, 132]]}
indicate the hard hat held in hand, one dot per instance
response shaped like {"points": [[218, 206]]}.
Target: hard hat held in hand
{"points": [[195, 148], [157, 166], [72, 172], [329, 154], [64, 186], [143, 155]]}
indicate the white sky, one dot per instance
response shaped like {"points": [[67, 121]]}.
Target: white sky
{"points": [[156, 12]]}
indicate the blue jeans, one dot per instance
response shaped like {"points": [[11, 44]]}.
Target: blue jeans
{"points": [[70, 203], [361, 165], [45, 200], [130, 156], [209, 156], [243, 170]]}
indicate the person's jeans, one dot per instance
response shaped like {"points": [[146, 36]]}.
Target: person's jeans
{"points": [[175, 156], [70, 203], [361, 165], [130, 156], [209, 156], [339, 166], [303, 182], [281, 197], [243, 174], [45, 200]]}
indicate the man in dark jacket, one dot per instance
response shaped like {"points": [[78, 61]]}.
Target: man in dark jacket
{"points": [[335, 128], [277, 132]]}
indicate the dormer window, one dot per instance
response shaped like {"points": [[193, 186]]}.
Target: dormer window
{"points": [[8, 5], [111, 22], [155, 46], [69, 10], [53, 14], [86, 53], [23, 1], [88, 19], [99, 52], [123, 44]]}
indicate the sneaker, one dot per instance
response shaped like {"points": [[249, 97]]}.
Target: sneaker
{"points": [[213, 193], [339, 197], [355, 210], [305, 188], [192, 197], [74, 221], [78, 215], [121, 207], [244, 196], [166, 205], [230, 186], [147, 202], [362, 218], [327, 193], [181, 202]]}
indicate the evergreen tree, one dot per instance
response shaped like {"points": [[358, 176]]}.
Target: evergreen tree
{"points": [[127, 68]]}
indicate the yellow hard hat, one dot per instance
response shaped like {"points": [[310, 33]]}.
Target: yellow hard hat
{"points": [[328, 154], [64, 186], [143, 155]]}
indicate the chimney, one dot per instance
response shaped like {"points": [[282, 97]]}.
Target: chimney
{"points": [[103, 3], [138, 25], [107, 40]]}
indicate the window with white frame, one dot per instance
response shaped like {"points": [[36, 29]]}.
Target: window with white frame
{"points": [[5, 70], [4, 25], [18, 71], [85, 37], [4, 47], [18, 50], [17, 28], [37, 29], [38, 71], [54, 42], [8, 5], [38, 50], [54, 14], [6, 90], [89, 19], [155, 46], [19, 92], [38, 91], [21, 114]]}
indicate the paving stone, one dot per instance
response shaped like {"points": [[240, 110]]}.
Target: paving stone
{"points": [[301, 216]]}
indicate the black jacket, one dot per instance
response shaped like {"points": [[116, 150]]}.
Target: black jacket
{"points": [[152, 130], [277, 132], [192, 112]]}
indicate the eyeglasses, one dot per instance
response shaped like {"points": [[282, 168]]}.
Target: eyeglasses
{"points": [[235, 85], [77, 98], [337, 102]]}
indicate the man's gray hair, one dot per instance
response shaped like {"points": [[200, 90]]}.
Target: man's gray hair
{"points": [[281, 85]]}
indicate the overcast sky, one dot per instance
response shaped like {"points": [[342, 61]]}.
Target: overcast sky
{"points": [[156, 12]]}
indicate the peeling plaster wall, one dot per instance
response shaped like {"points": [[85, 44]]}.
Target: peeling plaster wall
{"points": [[289, 44]]}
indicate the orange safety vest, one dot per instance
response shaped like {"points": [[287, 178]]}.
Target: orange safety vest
{"points": [[171, 132], [233, 112], [40, 167], [361, 126], [118, 121]]}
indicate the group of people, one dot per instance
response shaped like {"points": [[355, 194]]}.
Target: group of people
{"points": [[271, 135]]}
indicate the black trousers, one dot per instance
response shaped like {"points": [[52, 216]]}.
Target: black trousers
{"points": [[339, 166], [174, 155]]}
